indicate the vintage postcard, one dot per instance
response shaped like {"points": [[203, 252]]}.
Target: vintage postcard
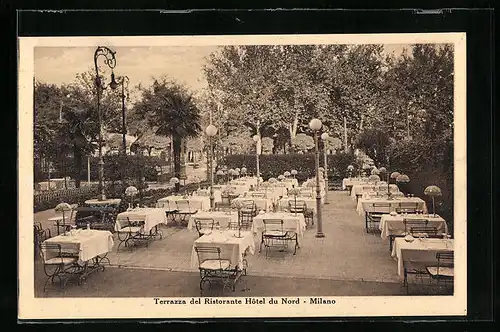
{"points": [[242, 176]]}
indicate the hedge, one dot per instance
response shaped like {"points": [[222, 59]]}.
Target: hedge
{"points": [[274, 165], [48, 200]]}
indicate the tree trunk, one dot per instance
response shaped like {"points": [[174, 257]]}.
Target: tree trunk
{"points": [[77, 153], [177, 142]]}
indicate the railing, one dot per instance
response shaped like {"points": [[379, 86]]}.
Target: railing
{"points": [[64, 194]]}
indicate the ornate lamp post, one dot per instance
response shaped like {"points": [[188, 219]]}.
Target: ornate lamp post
{"points": [[123, 81], [315, 126], [110, 61], [211, 131], [256, 139], [324, 138]]}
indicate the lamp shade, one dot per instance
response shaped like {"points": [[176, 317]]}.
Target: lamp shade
{"points": [[237, 169], [350, 168], [394, 175], [62, 207], [287, 173], [281, 177], [293, 172], [174, 180], [220, 172], [231, 171], [211, 130], [403, 178], [324, 136], [382, 170], [272, 180], [256, 138], [321, 169], [375, 171], [374, 177], [432, 191], [131, 191], [243, 170], [315, 124]]}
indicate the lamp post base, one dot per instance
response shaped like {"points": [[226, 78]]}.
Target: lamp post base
{"points": [[320, 235]]}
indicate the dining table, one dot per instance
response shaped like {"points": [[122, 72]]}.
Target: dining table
{"points": [[234, 247], [292, 222], [419, 253], [150, 218], [283, 204], [221, 218], [196, 203], [89, 245], [393, 224], [359, 189], [261, 203], [367, 204]]}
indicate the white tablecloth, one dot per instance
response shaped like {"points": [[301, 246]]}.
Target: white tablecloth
{"points": [[88, 243], [362, 188], [196, 203], [206, 193], [352, 181], [220, 217], [236, 189], [310, 202], [149, 216], [394, 225], [291, 222], [263, 204], [232, 248], [419, 253], [379, 194], [367, 204]]}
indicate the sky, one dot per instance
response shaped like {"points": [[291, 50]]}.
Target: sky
{"points": [[59, 65]]}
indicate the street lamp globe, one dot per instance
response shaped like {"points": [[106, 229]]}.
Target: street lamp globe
{"points": [[211, 130], [255, 138], [315, 124], [324, 136], [113, 84]]}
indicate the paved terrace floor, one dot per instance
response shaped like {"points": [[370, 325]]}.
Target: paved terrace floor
{"points": [[346, 260]]}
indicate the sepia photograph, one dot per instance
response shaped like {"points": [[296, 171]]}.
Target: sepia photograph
{"points": [[248, 176]]}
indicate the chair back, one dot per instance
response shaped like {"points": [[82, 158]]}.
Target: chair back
{"points": [[205, 253], [297, 206], [273, 225], [407, 207], [203, 224], [445, 259], [258, 194], [427, 231], [246, 218], [381, 207], [413, 223], [248, 206], [183, 205]]}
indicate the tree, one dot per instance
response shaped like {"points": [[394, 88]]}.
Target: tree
{"points": [[303, 142], [374, 142], [170, 108]]}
